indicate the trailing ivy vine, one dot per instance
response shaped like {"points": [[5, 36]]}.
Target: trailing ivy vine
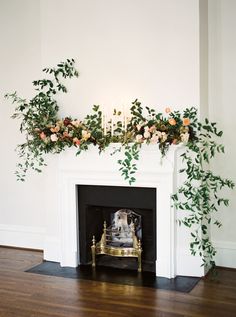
{"points": [[199, 198]]}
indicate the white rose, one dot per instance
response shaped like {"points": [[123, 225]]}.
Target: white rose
{"points": [[147, 134], [154, 139], [163, 136], [76, 123], [139, 137], [53, 137]]}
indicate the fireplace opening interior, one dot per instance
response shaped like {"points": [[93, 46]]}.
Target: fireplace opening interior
{"points": [[97, 204]]}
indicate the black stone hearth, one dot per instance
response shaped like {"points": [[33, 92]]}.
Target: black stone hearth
{"points": [[111, 275], [97, 203]]}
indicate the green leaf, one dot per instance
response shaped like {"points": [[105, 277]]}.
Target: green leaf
{"points": [[204, 229]]}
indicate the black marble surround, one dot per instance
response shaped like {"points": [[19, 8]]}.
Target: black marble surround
{"points": [[96, 203]]}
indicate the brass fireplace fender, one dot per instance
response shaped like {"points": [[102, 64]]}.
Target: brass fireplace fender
{"points": [[102, 247]]}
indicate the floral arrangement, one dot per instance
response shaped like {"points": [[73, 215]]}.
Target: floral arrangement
{"points": [[46, 133]]}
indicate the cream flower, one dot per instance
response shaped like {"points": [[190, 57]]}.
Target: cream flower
{"points": [[47, 140], [60, 123], [184, 137], [76, 123], [163, 136], [139, 138], [86, 135], [154, 139], [53, 137], [138, 126]]}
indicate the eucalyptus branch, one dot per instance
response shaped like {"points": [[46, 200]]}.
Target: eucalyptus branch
{"points": [[128, 167], [37, 116]]}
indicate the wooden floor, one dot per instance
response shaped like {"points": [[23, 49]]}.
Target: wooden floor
{"points": [[26, 294]]}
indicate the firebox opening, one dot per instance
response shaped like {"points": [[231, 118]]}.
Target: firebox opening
{"points": [[97, 204]]}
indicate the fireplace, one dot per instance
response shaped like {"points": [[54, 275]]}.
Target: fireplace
{"points": [[97, 204], [171, 245]]}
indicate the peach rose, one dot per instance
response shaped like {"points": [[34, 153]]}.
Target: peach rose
{"points": [[55, 129], [42, 136], [65, 134], [186, 121], [167, 110], [152, 129], [76, 141], [172, 121]]}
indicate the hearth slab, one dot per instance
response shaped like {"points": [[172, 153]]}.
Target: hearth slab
{"points": [[118, 276]]}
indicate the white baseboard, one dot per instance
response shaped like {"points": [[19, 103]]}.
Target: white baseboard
{"points": [[22, 236], [189, 265], [226, 253], [52, 249]]}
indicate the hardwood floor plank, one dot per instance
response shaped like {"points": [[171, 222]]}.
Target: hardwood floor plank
{"points": [[32, 295]]}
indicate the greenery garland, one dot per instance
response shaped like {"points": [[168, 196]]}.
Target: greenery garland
{"points": [[199, 196]]}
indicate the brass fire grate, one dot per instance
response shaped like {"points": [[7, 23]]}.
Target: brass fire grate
{"points": [[120, 241]]}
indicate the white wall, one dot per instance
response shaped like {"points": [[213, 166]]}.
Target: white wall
{"points": [[203, 50], [222, 106], [22, 206], [126, 49]]}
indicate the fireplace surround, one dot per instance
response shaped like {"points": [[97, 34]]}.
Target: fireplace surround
{"points": [[90, 168]]}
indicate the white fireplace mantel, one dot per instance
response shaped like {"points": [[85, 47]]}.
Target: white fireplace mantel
{"points": [[90, 168]]}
